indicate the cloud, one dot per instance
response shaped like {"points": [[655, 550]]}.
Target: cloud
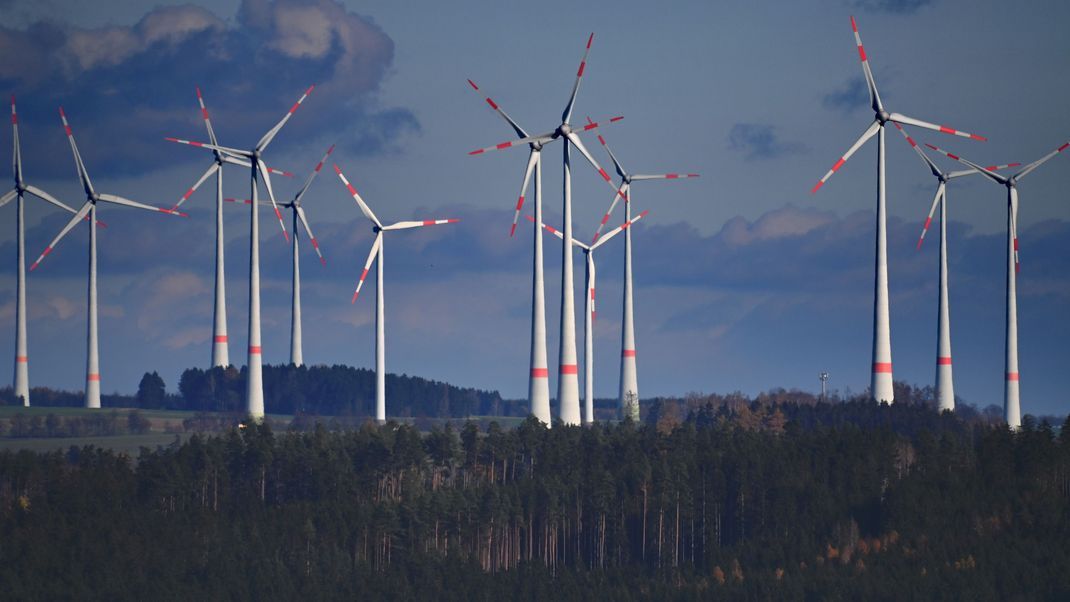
{"points": [[760, 141], [899, 7], [126, 87], [849, 97]]}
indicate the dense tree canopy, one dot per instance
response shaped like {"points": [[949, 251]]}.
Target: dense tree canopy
{"points": [[776, 501]]}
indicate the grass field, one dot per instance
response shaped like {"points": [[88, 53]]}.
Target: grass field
{"points": [[129, 444]]}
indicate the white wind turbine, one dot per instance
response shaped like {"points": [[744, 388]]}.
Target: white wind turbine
{"points": [[22, 366], [89, 209], [568, 392], [881, 383], [589, 308], [376, 255], [254, 382], [220, 344], [629, 373], [945, 386], [539, 373], [1012, 408]]}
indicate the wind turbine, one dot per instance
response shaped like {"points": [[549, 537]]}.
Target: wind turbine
{"points": [[881, 383], [568, 392], [539, 373], [254, 382], [1012, 408], [376, 255], [945, 386], [220, 352], [22, 366], [92, 376], [298, 214], [589, 309], [629, 374]]}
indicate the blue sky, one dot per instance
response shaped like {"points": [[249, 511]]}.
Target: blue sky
{"points": [[744, 280]]}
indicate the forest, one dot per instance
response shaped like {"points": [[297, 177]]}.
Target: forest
{"points": [[758, 500]]}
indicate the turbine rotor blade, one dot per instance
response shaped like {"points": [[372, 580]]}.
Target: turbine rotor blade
{"points": [[364, 208], [118, 200], [270, 135], [308, 230], [992, 176], [932, 209], [44, 196], [208, 173], [427, 222], [575, 140], [943, 129], [567, 114], [231, 151], [1035, 164], [874, 96], [204, 114], [368, 264], [540, 139], [533, 158], [8, 196], [869, 133], [624, 190], [516, 127], [618, 230], [78, 217], [913, 144], [271, 195], [312, 176]]}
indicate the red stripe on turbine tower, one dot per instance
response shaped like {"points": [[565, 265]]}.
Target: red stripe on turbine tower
{"points": [[93, 377], [222, 338], [882, 367], [22, 359], [628, 353], [569, 369], [943, 361], [255, 349], [540, 373], [1012, 376]]}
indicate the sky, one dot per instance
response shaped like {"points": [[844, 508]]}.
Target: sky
{"points": [[744, 280]]}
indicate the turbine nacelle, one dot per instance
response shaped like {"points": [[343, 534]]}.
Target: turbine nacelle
{"points": [[883, 116]]}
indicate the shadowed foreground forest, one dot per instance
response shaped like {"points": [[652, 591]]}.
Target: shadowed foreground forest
{"points": [[783, 501]]}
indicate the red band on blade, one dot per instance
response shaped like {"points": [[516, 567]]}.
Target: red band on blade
{"points": [[352, 190], [255, 349], [976, 137], [882, 367], [540, 373], [429, 222], [476, 152], [601, 139], [1012, 376], [862, 53], [204, 112], [363, 275], [1016, 244], [47, 251], [928, 221], [943, 361], [910, 140], [838, 164], [14, 119], [187, 195], [952, 156], [67, 128], [615, 119], [1063, 147], [580, 72], [473, 84], [854, 27], [492, 104], [294, 108], [946, 130], [504, 145], [221, 338], [519, 203], [628, 353], [569, 369], [604, 175], [315, 245], [605, 218], [22, 359], [589, 40], [93, 377], [319, 166], [672, 176]]}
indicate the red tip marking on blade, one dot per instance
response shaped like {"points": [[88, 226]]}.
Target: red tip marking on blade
{"points": [[882, 367], [354, 299], [616, 119], [336, 170], [34, 266], [980, 138], [476, 152], [61, 113], [492, 104], [520, 202], [512, 231], [582, 65], [1063, 147], [93, 377], [692, 175], [221, 338], [255, 349], [22, 359], [589, 40], [540, 373], [323, 262], [601, 139], [473, 84], [309, 91], [943, 361], [1012, 376], [643, 214], [568, 369], [854, 26], [628, 353], [453, 220]]}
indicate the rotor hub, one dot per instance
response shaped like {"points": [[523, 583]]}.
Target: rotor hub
{"points": [[565, 129], [883, 117], [1012, 182]]}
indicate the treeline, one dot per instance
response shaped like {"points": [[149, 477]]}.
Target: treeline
{"points": [[98, 424], [910, 504], [318, 390]]}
